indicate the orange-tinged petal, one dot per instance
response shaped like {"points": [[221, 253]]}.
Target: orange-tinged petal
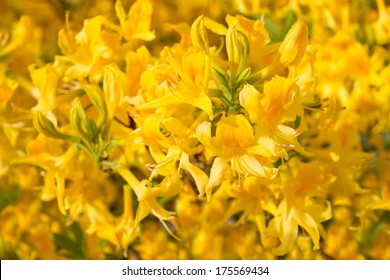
{"points": [[280, 99], [234, 131]]}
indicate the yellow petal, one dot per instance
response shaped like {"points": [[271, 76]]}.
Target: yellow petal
{"points": [[21, 35], [288, 136], [199, 35], [248, 164], [281, 99], [203, 133], [250, 100], [169, 163], [46, 80], [136, 24], [286, 227], [217, 174], [203, 102], [294, 45], [60, 181], [309, 224], [199, 176], [164, 101], [234, 131], [113, 87]]}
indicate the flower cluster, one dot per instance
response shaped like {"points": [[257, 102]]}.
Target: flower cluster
{"points": [[195, 130]]}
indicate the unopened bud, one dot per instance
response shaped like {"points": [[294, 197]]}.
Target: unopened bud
{"points": [[294, 45]]}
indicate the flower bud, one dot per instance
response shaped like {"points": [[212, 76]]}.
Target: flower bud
{"points": [[113, 87], [78, 119], [237, 47], [199, 35], [294, 45], [43, 125]]}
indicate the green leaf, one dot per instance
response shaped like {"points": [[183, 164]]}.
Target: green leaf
{"points": [[220, 77], [9, 197], [367, 238], [243, 76], [97, 98], [78, 119], [291, 18], [71, 248], [72, 242], [386, 139], [43, 125], [275, 32]]}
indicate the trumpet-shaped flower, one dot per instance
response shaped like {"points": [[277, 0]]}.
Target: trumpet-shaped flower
{"points": [[88, 51], [304, 205], [190, 83], [136, 24], [234, 146], [280, 103]]}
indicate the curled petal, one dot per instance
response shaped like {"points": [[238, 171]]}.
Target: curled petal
{"points": [[248, 164], [217, 173], [199, 176]]}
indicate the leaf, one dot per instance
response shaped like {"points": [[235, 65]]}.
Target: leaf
{"points": [[243, 77], [71, 248], [367, 238], [291, 18], [72, 242], [43, 125], [275, 32], [9, 197], [77, 233], [220, 77]]}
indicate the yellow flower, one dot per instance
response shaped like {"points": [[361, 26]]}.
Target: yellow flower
{"points": [[91, 49], [136, 24], [136, 63], [45, 80], [199, 35], [252, 199], [189, 85], [47, 154], [382, 24], [280, 103], [21, 35], [237, 47], [235, 148], [304, 204], [256, 36], [147, 197]]}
